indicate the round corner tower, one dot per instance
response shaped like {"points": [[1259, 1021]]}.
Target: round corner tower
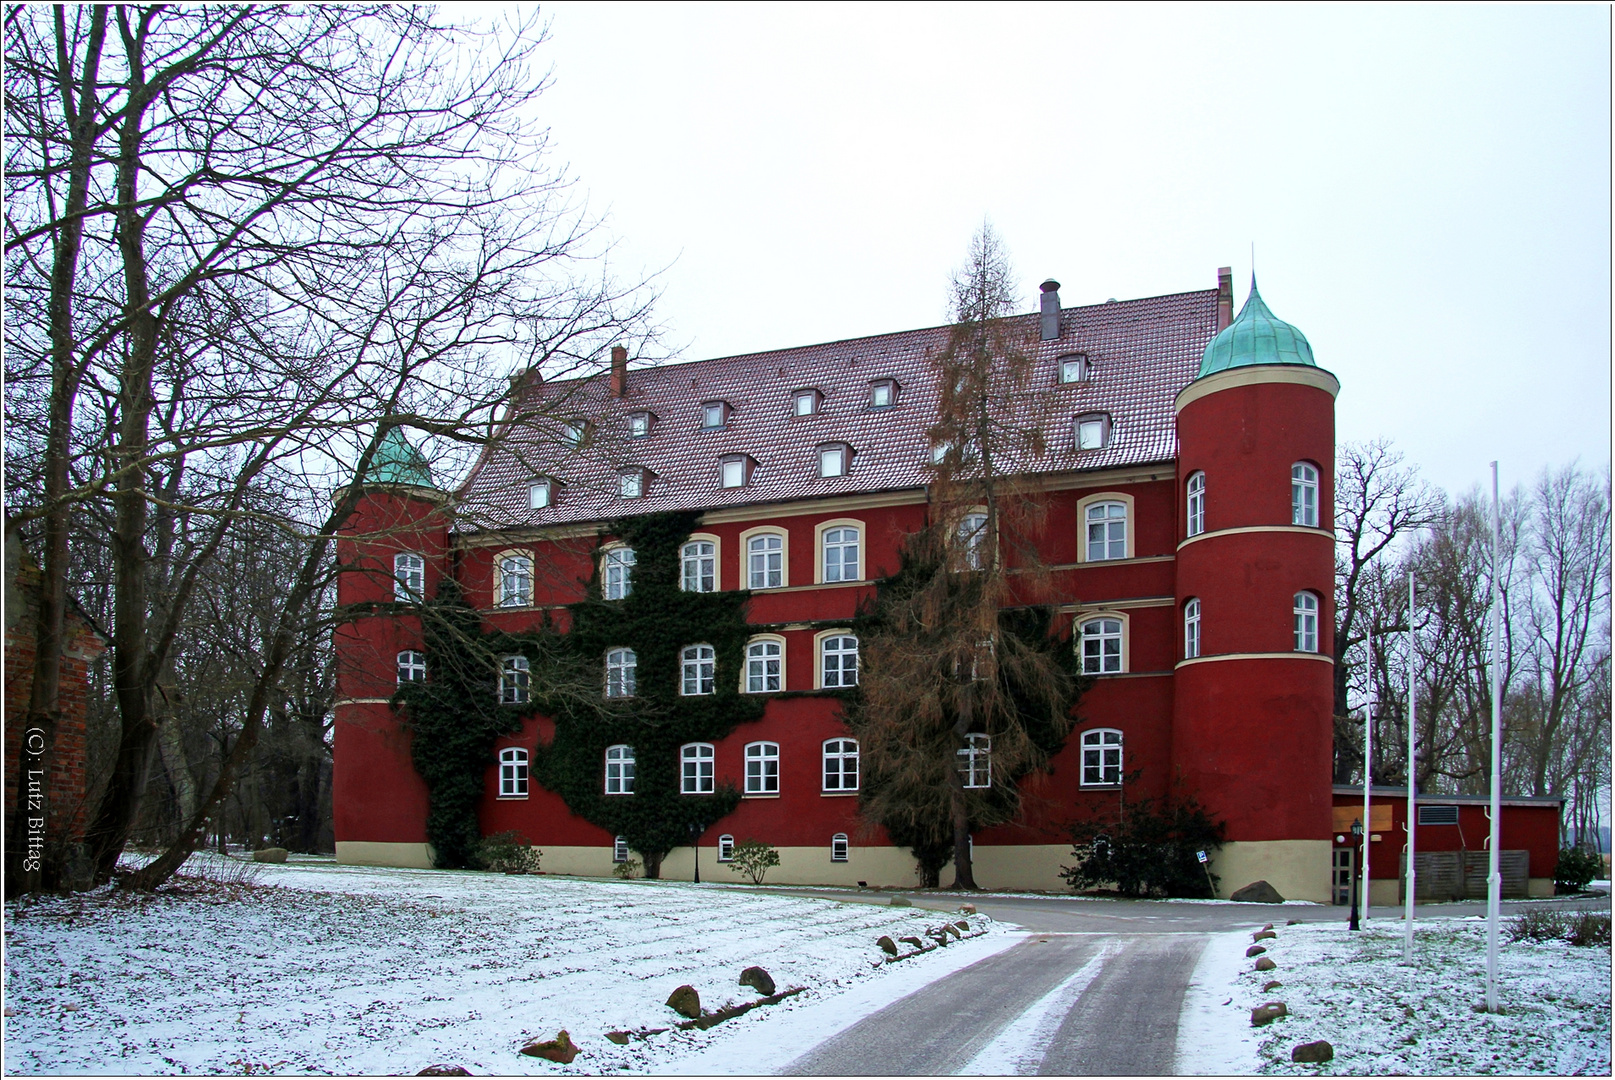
{"points": [[1252, 725], [390, 554]]}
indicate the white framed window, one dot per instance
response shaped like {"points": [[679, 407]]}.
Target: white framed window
{"points": [[617, 572], [1191, 628], [515, 581], [882, 394], [1073, 369], [409, 577], [696, 777], [1102, 646], [714, 414], [515, 678], [841, 765], [572, 432], [1107, 531], [838, 847], [700, 665], [833, 459], [619, 850], [726, 848], [1303, 495], [539, 495], [1101, 757], [1092, 431], [765, 667], [838, 661], [805, 402], [762, 768], [620, 769], [639, 424], [631, 483], [621, 665], [840, 560], [1306, 622], [734, 471], [975, 761], [765, 561], [1197, 504], [972, 541], [411, 667], [513, 773], [700, 564]]}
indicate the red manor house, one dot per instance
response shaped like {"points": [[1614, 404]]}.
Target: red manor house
{"points": [[1188, 486]]}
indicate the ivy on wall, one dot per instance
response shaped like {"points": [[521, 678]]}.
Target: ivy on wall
{"points": [[657, 620]]}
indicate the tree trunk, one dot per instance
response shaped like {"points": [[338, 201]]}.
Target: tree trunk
{"points": [[963, 872], [172, 750], [653, 865]]}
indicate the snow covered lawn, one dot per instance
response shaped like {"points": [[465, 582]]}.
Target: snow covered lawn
{"points": [[1383, 1018], [321, 968]]}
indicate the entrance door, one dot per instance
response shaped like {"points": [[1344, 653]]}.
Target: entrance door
{"points": [[1345, 859]]}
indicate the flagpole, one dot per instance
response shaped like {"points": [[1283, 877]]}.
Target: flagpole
{"points": [[1368, 769], [1413, 787], [1494, 876]]}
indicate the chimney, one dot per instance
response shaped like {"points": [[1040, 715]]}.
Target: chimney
{"points": [[619, 371], [1050, 304], [1225, 297]]}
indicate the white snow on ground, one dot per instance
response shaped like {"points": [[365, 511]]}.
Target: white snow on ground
{"points": [[1385, 1018], [323, 968]]}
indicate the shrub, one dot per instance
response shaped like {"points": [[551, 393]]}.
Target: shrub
{"points": [[1588, 928], [626, 869], [1145, 852], [1577, 866], [507, 853], [1537, 926], [753, 858]]}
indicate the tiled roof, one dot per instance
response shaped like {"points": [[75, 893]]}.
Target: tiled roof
{"points": [[1141, 353]]}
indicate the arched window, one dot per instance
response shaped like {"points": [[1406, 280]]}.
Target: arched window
{"points": [[838, 661], [975, 761], [1102, 646], [764, 667], [1101, 757], [841, 765], [617, 572], [409, 578], [1303, 495], [513, 773], [619, 850], [515, 581], [1107, 531], [620, 769], [1191, 629], [621, 665], [514, 678], [1197, 504], [765, 561], [1306, 622], [972, 541], [696, 776], [411, 667], [838, 847], [762, 768], [700, 663], [841, 554], [700, 566], [726, 848]]}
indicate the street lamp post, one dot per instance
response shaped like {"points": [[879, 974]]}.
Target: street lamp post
{"points": [[1357, 843], [695, 846]]}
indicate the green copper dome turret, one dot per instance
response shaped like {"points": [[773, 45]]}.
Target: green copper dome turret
{"points": [[397, 462], [1256, 336]]}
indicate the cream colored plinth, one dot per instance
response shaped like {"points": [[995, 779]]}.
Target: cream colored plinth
{"points": [[1298, 869], [372, 853], [1539, 886], [1385, 893], [878, 866]]}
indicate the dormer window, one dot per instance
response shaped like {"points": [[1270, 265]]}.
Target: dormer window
{"points": [[714, 414], [882, 394], [1074, 368], [735, 470], [572, 432], [834, 459], [632, 483], [639, 424], [806, 402], [1092, 431], [540, 493]]}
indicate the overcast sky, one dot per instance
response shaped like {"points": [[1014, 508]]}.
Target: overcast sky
{"points": [[1427, 189]]}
